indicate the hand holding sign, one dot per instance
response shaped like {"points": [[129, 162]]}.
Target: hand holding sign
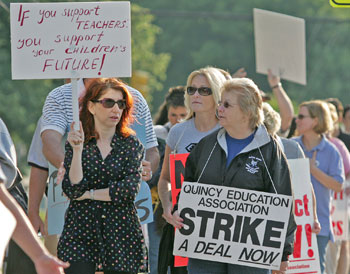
{"points": [[316, 228], [76, 137], [175, 220], [273, 80], [283, 268]]}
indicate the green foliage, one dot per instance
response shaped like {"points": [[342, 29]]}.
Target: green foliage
{"points": [[220, 33], [143, 39], [22, 101]]}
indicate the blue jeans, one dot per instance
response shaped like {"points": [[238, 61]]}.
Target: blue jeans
{"points": [[322, 242], [196, 266], [154, 240]]}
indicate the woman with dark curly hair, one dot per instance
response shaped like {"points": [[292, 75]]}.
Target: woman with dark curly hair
{"points": [[103, 173]]}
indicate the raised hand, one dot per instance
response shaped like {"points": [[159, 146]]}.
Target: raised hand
{"points": [[272, 79], [76, 137], [240, 73]]}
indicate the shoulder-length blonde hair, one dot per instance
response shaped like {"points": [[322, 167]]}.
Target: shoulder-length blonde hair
{"points": [[249, 99], [320, 110], [215, 79]]}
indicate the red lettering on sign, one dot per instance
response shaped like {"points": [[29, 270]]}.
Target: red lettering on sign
{"points": [[22, 16], [298, 241], [338, 228], [46, 14], [339, 195], [298, 205]]}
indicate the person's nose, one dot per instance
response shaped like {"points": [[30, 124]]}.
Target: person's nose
{"points": [[221, 108], [196, 94]]}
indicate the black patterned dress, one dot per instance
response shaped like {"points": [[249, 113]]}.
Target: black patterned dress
{"points": [[105, 233]]}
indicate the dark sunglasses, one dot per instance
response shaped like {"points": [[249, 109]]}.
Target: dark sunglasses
{"points": [[109, 103], [226, 104], [301, 116], [204, 91]]}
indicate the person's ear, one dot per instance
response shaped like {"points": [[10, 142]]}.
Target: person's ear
{"points": [[315, 122], [91, 107]]}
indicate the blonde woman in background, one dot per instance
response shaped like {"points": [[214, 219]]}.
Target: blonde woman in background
{"points": [[327, 172]]}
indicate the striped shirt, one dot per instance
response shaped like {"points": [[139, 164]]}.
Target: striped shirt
{"points": [[58, 114]]}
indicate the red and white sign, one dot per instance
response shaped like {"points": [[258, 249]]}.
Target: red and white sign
{"points": [[340, 217], [305, 258], [70, 40], [177, 171]]}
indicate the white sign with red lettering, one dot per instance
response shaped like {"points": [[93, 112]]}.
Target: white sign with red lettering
{"points": [[70, 40], [340, 217], [305, 258]]}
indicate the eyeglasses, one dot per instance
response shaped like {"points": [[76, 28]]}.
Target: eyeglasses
{"points": [[204, 91], [109, 103], [301, 116], [226, 104]]}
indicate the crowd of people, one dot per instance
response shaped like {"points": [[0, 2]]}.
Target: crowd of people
{"points": [[221, 120]]}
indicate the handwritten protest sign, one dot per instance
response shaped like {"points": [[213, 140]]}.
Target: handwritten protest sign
{"points": [[305, 258], [340, 216], [280, 45], [177, 172], [70, 40], [58, 203], [232, 225]]}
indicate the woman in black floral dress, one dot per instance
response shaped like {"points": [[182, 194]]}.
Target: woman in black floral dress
{"points": [[102, 231]]}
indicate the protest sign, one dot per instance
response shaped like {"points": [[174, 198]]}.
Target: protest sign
{"points": [[177, 172], [305, 257], [231, 225], [280, 45], [5, 230], [143, 201], [340, 216], [70, 40], [58, 203]]}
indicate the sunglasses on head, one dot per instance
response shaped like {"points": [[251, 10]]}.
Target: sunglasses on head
{"points": [[301, 116], [109, 103], [204, 91]]}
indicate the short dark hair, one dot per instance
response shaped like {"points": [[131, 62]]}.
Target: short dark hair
{"points": [[175, 98]]}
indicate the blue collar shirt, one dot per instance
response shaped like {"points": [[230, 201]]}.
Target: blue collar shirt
{"points": [[329, 161]]}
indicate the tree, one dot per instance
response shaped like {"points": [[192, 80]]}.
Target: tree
{"points": [[220, 33]]}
